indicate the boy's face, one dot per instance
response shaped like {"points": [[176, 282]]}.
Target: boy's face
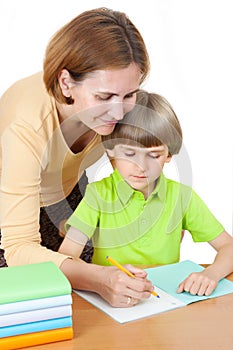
{"points": [[140, 167]]}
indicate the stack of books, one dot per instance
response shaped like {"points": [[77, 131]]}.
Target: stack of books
{"points": [[35, 305]]}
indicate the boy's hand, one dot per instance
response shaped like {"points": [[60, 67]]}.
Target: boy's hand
{"points": [[198, 283]]}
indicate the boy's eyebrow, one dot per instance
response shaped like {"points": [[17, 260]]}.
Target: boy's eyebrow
{"points": [[146, 149], [158, 149]]}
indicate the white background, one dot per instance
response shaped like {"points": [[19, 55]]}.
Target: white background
{"points": [[189, 44]]}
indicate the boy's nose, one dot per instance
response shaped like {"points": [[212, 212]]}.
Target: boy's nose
{"points": [[141, 162]]}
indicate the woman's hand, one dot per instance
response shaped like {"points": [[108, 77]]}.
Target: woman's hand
{"points": [[120, 290], [198, 283]]}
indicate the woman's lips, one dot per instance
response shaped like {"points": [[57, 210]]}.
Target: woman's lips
{"points": [[108, 122]]}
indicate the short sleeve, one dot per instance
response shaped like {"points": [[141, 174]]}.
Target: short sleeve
{"points": [[86, 216], [200, 221]]}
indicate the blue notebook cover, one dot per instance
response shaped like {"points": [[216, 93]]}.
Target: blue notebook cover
{"points": [[168, 277]]}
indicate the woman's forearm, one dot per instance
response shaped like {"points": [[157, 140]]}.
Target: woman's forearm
{"points": [[82, 275]]}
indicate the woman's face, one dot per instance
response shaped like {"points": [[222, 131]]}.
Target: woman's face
{"points": [[103, 98]]}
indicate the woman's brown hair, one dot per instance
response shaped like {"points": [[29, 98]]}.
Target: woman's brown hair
{"points": [[98, 39]]}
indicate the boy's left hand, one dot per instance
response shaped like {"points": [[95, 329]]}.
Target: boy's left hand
{"points": [[198, 283]]}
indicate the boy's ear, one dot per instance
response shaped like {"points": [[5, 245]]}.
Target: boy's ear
{"points": [[110, 153], [169, 157]]}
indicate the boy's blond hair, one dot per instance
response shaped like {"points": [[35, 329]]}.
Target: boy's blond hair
{"points": [[152, 122]]}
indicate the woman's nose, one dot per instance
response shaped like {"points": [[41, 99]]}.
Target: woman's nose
{"points": [[117, 111]]}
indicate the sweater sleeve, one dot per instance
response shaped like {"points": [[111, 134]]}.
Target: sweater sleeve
{"points": [[23, 155]]}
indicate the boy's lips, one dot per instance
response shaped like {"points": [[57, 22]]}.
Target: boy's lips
{"points": [[139, 176]]}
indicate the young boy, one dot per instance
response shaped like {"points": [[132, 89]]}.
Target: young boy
{"points": [[137, 215]]}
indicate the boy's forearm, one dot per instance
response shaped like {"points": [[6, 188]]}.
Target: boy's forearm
{"points": [[222, 265]]}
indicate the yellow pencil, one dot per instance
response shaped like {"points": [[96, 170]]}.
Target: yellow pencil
{"points": [[122, 268]]}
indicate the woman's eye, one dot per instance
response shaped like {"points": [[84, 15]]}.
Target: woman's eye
{"points": [[103, 98], [129, 95]]}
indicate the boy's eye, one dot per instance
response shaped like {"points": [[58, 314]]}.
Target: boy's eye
{"points": [[154, 156], [129, 154]]}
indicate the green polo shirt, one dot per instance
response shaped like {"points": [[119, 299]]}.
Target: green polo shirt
{"points": [[133, 230]]}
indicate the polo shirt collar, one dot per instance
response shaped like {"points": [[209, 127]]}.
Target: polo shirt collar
{"points": [[160, 189], [125, 191]]}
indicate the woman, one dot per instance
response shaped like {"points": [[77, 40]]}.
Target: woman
{"points": [[50, 133]]}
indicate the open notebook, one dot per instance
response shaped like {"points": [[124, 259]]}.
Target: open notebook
{"points": [[166, 279]]}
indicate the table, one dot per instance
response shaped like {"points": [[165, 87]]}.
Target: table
{"points": [[205, 325]]}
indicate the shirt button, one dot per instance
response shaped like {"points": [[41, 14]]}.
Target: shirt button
{"points": [[143, 221]]}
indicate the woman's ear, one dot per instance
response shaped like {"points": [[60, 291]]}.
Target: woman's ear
{"points": [[65, 82]]}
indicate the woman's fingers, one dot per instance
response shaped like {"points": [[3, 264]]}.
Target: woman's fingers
{"points": [[120, 290]]}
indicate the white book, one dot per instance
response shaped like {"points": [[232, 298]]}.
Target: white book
{"points": [[35, 304], [35, 315]]}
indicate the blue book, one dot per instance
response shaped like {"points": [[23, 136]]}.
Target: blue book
{"points": [[32, 327]]}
